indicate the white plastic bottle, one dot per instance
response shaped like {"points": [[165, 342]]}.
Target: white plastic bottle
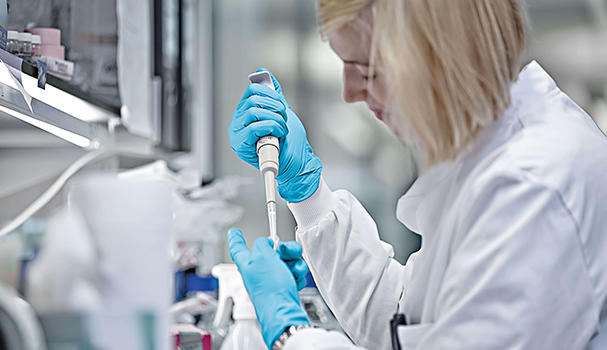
{"points": [[245, 333]]}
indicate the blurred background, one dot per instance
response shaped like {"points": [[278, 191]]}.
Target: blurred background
{"points": [[156, 82]]}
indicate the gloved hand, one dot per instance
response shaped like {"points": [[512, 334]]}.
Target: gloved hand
{"points": [[262, 112], [270, 285], [290, 253]]}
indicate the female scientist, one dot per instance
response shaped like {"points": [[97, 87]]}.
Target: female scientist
{"points": [[511, 206]]}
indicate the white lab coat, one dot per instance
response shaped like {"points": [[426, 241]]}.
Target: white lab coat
{"points": [[514, 241]]}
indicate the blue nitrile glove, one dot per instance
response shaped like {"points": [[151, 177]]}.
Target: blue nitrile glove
{"points": [[290, 253], [262, 112], [270, 285]]}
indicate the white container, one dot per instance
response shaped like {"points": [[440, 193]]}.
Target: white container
{"points": [[245, 333], [60, 68], [36, 41], [25, 45], [12, 44], [130, 221]]}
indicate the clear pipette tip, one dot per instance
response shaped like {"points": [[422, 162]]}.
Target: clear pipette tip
{"points": [[272, 222]]}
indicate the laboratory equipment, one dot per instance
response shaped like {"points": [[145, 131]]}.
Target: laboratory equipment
{"points": [[202, 216], [319, 313], [11, 252], [36, 42], [49, 43], [267, 151], [12, 44], [188, 337], [245, 333], [25, 43], [58, 68], [49, 36], [19, 329], [109, 241], [197, 304]]}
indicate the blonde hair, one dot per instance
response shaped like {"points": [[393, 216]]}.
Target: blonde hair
{"points": [[448, 65], [333, 14]]}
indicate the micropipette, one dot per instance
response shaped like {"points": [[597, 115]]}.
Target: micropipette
{"points": [[267, 152]]}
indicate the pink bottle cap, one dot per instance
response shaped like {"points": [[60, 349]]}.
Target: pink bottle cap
{"points": [[56, 51], [48, 36]]}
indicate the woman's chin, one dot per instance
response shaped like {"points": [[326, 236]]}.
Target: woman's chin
{"points": [[384, 117]]}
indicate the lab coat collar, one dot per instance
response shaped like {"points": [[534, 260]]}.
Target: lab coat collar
{"points": [[532, 85]]}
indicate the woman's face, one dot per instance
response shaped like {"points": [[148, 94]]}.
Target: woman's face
{"points": [[352, 43]]}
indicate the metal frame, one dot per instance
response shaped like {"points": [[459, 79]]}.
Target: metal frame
{"points": [[55, 111]]}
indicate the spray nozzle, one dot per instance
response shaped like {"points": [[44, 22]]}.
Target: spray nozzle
{"points": [[233, 298]]}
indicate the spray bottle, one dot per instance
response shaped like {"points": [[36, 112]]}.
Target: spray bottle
{"points": [[245, 333]]}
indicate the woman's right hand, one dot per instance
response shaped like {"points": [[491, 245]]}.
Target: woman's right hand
{"points": [[264, 112]]}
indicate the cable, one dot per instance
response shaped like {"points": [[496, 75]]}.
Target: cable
{"points": [[51, 191]]}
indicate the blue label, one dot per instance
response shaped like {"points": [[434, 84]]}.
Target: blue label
{"points": [[41, 74], [3, 24], [3, 38]]}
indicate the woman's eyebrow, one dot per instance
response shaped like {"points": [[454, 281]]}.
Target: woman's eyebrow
{"points": [[358, 63]]}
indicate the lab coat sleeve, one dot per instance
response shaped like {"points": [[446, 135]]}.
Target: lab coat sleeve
{"points": [[517, 278], [354, 270], [319, 339]]}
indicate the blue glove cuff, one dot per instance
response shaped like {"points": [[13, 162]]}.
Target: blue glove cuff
{"points": [[303, 185]]}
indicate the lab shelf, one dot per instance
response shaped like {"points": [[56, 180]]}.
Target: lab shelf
{"points": [[59, 109], [70, 88]]}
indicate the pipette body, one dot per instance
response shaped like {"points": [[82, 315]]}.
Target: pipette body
{"points": [[267, 152]]}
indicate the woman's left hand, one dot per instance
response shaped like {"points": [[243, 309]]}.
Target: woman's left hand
{"points": [[270, 284], [291, 253]]}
